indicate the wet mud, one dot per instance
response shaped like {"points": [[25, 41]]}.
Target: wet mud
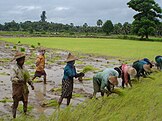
{"points": [[43, 99]]}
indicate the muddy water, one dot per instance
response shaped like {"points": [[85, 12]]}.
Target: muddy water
{"points": [[54, 70]]}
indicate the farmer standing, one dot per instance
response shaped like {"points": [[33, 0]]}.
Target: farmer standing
{"points": [[67, 81], [105, 81], [40, 65], [20, 77], [127, 73]]}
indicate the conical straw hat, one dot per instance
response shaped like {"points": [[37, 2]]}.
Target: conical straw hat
{"points": [[18, 55], [146, 67], [132, 71], [113, 80], [71, 58]]}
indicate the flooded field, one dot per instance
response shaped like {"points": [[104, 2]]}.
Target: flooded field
{"points": [[43, 100]]}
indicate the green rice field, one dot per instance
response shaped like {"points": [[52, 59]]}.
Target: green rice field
{"points": [[107, 47]]}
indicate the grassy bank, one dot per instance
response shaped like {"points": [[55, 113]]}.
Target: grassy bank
{"points": [[108, 47]]}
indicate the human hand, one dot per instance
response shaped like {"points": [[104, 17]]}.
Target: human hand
{"points": [[80, 79], [81, 74]]}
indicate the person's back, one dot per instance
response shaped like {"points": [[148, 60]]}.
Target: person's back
{"points": [[158, 60], [40, 63]]}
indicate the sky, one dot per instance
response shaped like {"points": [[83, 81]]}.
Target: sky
{"points": [[77, 12]]}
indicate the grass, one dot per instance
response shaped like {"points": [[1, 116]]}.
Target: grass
{"points": [[107, 47], [5, 100], [141, 103], [88, 68], [50, 103], [20, 108]]}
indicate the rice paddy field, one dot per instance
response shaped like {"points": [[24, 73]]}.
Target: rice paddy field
{"points": [[107, 47], [142, 102]]}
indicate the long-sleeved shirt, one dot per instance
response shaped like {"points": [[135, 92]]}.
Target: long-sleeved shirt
{"points": [[19, 78], [125, 73], [40, 63], [69, 71], [19, 74], [102, 77]]}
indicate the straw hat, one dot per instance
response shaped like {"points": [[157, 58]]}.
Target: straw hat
{"points": [[71, 58], [41, 49], [132, 71], [113, 80], [18, 55], [146, 67]]}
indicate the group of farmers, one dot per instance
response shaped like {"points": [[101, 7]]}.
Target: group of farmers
{"points": [[103, 82]]}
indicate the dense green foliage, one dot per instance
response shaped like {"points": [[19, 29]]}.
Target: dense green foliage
{"points": [[108, 27], [147, 18]]}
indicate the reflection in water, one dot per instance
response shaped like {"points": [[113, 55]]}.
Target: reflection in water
{"points": [[39, 96], [44, 89]]}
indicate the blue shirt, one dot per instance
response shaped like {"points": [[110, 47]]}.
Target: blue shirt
{"points": [[69, 71]]}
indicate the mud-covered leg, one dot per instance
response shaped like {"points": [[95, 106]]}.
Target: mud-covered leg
{"points": [[14, 108]]}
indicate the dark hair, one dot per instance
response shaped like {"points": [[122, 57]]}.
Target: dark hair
{"points": [[19, 59], [118, 70]]}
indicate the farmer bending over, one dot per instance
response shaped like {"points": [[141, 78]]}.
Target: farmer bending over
{"points": [[105, 81], [158, 60], [20, 77], [142, 67], [127, 73]]}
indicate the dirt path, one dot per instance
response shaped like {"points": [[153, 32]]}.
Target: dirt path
{"points": [[44, 98]]}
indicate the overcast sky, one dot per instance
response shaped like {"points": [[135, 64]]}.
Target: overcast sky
{"points": [[67, 11]]}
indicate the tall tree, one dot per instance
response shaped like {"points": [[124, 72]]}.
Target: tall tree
{"points": [[108, 27], [159, 29], [147, 18], [43, 16], [117, 28], [99, 22], [126, 28]]}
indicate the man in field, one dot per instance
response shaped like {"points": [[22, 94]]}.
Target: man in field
{"points": [[20, 77], [40, 65]]}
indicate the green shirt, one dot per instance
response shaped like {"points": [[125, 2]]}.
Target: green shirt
{"points": [[102, 77]]}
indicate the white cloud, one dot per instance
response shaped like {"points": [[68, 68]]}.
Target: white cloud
{"points": [[61, 8], [27, 8]]}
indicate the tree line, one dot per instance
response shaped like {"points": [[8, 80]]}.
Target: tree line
{"points": [[146, 22]]}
